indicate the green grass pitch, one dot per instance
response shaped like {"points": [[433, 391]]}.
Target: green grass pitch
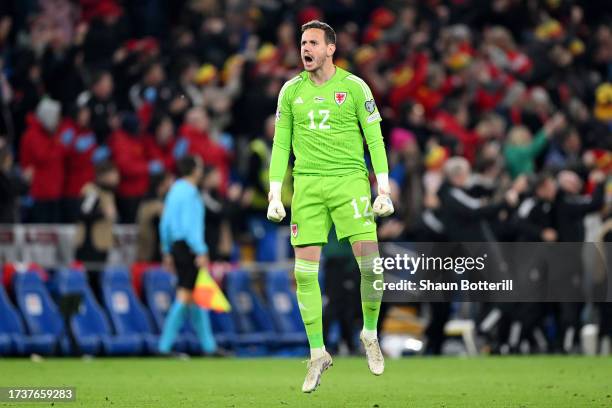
{"points": [[409, 382]]}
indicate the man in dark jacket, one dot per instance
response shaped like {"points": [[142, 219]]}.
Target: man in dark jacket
{"points": [[570, 209], [464, 216], [11, 186], [534, 222], [465, 219], [99, 100], [535, 217]]}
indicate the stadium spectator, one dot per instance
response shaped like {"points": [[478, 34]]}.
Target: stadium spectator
{"points": [[28, 89], [100, 101], [414, 194], [535, 222], [535, 215], [184, 93], [147, 219], [194, 139], [223, 211], [570, 209], [566, 153], [521, 151], [42, 155], [150, 91], [79, 158], [98, 214], [160, 140], [255, 196], [129, 153], [62, 55], [12, 186], [146, 91], [220, 89], [106, 30], [462, 214]]}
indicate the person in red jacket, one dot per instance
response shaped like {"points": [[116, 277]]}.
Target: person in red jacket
{"points": [[159, 144], [42, 158], [79, 165], [195, 140], [453, 122], [129, 154]]}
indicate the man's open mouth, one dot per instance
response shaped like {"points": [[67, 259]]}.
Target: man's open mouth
{"points": [[308, 58]]}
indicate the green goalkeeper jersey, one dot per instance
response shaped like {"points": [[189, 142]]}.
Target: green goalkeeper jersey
{"points": [[321, 123]]}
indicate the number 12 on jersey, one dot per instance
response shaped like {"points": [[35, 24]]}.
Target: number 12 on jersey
{"points": [[366, 209], [324, 114]]}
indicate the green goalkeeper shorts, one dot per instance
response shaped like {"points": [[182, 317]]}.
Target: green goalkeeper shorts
{"points": [[319, 200]]}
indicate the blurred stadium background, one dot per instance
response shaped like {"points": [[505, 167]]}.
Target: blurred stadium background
{"points": [[99, 98]]}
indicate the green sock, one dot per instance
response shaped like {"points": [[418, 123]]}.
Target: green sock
{"points": [[370, 297], [309, 300]]}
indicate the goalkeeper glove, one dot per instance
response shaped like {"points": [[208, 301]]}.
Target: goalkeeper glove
{"points": [[383, 206], [276, 211]]}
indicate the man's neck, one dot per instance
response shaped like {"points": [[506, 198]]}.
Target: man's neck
{"points": [[323, 74], [191, 180]]}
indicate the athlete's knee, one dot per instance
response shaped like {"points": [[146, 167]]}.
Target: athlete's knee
{"points": [[366, 264], [306, 274], [306, 280]]}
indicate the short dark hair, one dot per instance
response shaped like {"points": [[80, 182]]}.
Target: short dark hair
{"points": [[187, 165], [330, 34], [540, 179], [98, 75], [104, 167]]}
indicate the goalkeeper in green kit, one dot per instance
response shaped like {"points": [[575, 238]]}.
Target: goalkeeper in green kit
{"points": [[320, 115]]}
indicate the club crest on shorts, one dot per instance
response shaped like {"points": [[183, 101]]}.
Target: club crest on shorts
{"points": [[340, 97], [294, 230]]}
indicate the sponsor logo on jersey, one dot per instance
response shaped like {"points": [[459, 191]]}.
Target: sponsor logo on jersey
{"points": [[298, 100], [278, 113], [340, 97], [370, 106], [373, 117], [294, 230], [319, 99]]}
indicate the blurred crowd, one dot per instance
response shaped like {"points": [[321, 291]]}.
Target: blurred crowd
{"points": [[497, 114]]}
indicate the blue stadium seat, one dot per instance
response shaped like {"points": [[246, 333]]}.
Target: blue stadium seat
{"points": [[13, 340], [11, 329], [41, 315], [245, 344], [90, 326], [159, 288], [225, 331], [252, 321], [284, 310], [266, 234], [127, 314]]}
